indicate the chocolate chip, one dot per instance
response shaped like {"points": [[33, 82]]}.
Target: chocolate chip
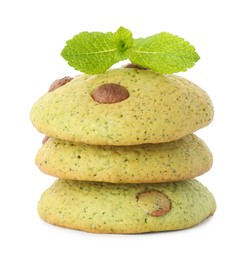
{"points": [[154, 203], [110, 93]]}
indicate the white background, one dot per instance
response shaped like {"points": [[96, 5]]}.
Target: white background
{"points": [[33, 34]]}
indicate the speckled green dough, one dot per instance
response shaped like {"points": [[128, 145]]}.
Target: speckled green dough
{"points": [[183, 159], [160, 108], [111, 208]]}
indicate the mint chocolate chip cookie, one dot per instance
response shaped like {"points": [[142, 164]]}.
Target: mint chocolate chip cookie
{"points": [[183, 159], [126, 208], [156, 108]]}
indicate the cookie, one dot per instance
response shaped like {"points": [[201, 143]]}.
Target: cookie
{"points": [[183, 159], [126, 208], [125, 106]]}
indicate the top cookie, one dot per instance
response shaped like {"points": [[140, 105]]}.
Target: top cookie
{"points": [[158, 108]]}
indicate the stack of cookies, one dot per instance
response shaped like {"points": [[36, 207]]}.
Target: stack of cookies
{"points": [[123, 148]]}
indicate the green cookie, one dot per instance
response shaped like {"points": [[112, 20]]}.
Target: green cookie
{"points": [[158, 108], [126, 208], [183, 159]]}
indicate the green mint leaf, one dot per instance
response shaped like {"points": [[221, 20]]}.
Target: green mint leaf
{"points": [[164, 53], [92, 53], [96, 52], [124, 41]]}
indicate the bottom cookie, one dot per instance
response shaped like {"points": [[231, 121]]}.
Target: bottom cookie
{"points": [[126, 208]]}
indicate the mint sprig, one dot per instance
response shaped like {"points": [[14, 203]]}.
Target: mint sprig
{"points": [[96, 52]]}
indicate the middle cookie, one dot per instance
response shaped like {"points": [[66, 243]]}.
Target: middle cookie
{"points": [[179, 160]]}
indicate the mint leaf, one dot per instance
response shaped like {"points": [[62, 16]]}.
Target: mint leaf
{"points": [[92, 53], [164, 53], [96, 52]]}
